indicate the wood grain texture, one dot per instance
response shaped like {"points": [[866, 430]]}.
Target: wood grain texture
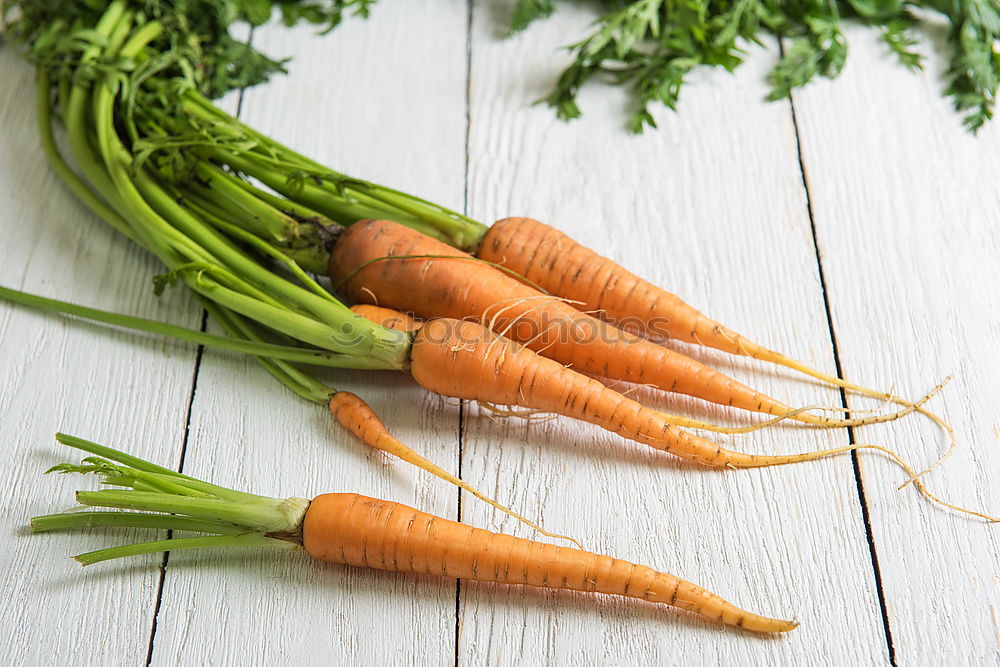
{"points": [[56, 374], [366, 100], [712, 205], [906, 210]]}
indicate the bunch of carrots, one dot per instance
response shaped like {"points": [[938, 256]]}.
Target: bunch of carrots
{"points": [[516, 314]]}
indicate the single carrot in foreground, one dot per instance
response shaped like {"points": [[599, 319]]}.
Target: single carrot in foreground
{"points": [[365, 532], [356, 530]]}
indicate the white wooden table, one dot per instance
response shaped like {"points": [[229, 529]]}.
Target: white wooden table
{"points": [[855, 228]]}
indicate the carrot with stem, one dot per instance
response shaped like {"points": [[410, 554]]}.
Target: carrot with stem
{"points": [[359, 531]]}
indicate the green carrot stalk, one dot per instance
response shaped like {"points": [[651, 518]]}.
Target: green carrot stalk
{"points": [[230, 518], [133, 200], [77, 520], [300, 355]]}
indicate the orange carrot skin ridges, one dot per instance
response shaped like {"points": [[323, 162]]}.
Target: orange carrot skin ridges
{"points": [[465, 360], [365, 532], [358, 417], [466, 288], [565, 268]]}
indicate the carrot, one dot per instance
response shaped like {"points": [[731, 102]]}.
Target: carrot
{"points": [[382, 260], [463, 359], [565, 268], [355, 530], [387, 317]]}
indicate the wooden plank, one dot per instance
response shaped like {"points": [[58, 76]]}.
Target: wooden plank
{"points": [[905, 203], [380, 100], [125, 390], [713, 206]]}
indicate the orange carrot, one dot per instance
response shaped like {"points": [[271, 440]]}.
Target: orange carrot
{"points": [[387, 317], [465, 360], [356, 530], [565, 268], [353, 530], [384, 261]]}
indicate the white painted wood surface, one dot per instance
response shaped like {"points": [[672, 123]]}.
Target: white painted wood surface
{"points": [[713, 206], [907, 212], [60, 375]]}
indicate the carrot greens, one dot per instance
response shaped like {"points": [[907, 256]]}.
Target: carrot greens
{"points": [[99, 81], [651, 46], [648, 46], [159, 498]]}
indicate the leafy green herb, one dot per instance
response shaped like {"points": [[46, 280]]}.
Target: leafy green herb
{"points": [[651, 45], [527, 11], [196, 43]]}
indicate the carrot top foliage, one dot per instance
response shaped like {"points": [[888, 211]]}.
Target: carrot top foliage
{"points": [[650, 46], [197, 35], [150, 496]]}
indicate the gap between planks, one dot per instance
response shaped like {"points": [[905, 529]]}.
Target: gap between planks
{"points": [[180, 468], [851, 435], [469, 8]]}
